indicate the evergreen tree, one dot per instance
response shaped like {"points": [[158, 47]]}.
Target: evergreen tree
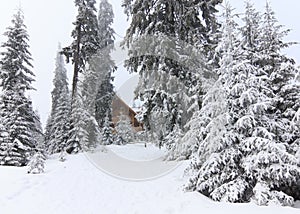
{"points": [[86, 39], [78, 134], [17, 114], [89, 92], [124, 130], [37, 163], [248, 161], [282, 72], [210, 122], [107, 132], [173, 143], [83, 49], [58, 123], [105, 91], [105, 20], [104, 99], [158, 37]]}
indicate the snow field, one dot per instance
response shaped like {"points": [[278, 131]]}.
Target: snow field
{"points": [[76, 186]]}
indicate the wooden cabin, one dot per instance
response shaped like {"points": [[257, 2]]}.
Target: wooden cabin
{"points": [[119, 107]]}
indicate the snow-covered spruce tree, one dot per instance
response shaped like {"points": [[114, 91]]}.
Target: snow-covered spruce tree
{"points": [[282, 73], [19, 119], [124, 130], [208, 125], [61, 121], [16, 76], [107, 131], [36, 164], [83, 48], [86, 39], [105, 90], [97, 88], [78, 136], [165, 82], [104, 99], [250, 164], [58, 123], [91, 78]]}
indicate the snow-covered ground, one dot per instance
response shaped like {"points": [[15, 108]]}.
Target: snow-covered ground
{"points": [[78, 186]]}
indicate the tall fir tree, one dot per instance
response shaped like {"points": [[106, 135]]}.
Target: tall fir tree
{"points": [[105, 91], [84, 47], [248, 162], [282, 72], [17, 115], [78, 136], [58, 123], [165, 79], [88, 91], [86, 39]]}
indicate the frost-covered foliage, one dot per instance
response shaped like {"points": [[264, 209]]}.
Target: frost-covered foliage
{"points": [[282, 72], [207, 125], [104, 99], [84, 134], [107, 131], [85, 39], [105, 21], [159, 111], [37, 163], [124, 130], [176, 146], [18, 120], [91, 78], [38, 132], [263, 195], [161, 38], [84, 51], [90, 54], [105, 89], [78, 134], [243, 153], [57, 127]]}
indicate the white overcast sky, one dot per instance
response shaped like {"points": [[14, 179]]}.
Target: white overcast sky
{"points": [[50, 22]]}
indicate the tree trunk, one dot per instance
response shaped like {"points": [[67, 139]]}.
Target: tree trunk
{"points": [[76, 62]]}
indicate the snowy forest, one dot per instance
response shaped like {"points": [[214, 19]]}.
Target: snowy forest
{"points": [[216, 88]]}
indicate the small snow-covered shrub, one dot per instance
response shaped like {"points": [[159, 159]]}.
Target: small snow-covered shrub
{"points": [[37, 163]]}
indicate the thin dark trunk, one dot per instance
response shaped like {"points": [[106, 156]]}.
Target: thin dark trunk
{"points": [[76, 62]]}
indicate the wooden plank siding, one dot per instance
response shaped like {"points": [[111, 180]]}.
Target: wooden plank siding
{"points": [[119, 107]]}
